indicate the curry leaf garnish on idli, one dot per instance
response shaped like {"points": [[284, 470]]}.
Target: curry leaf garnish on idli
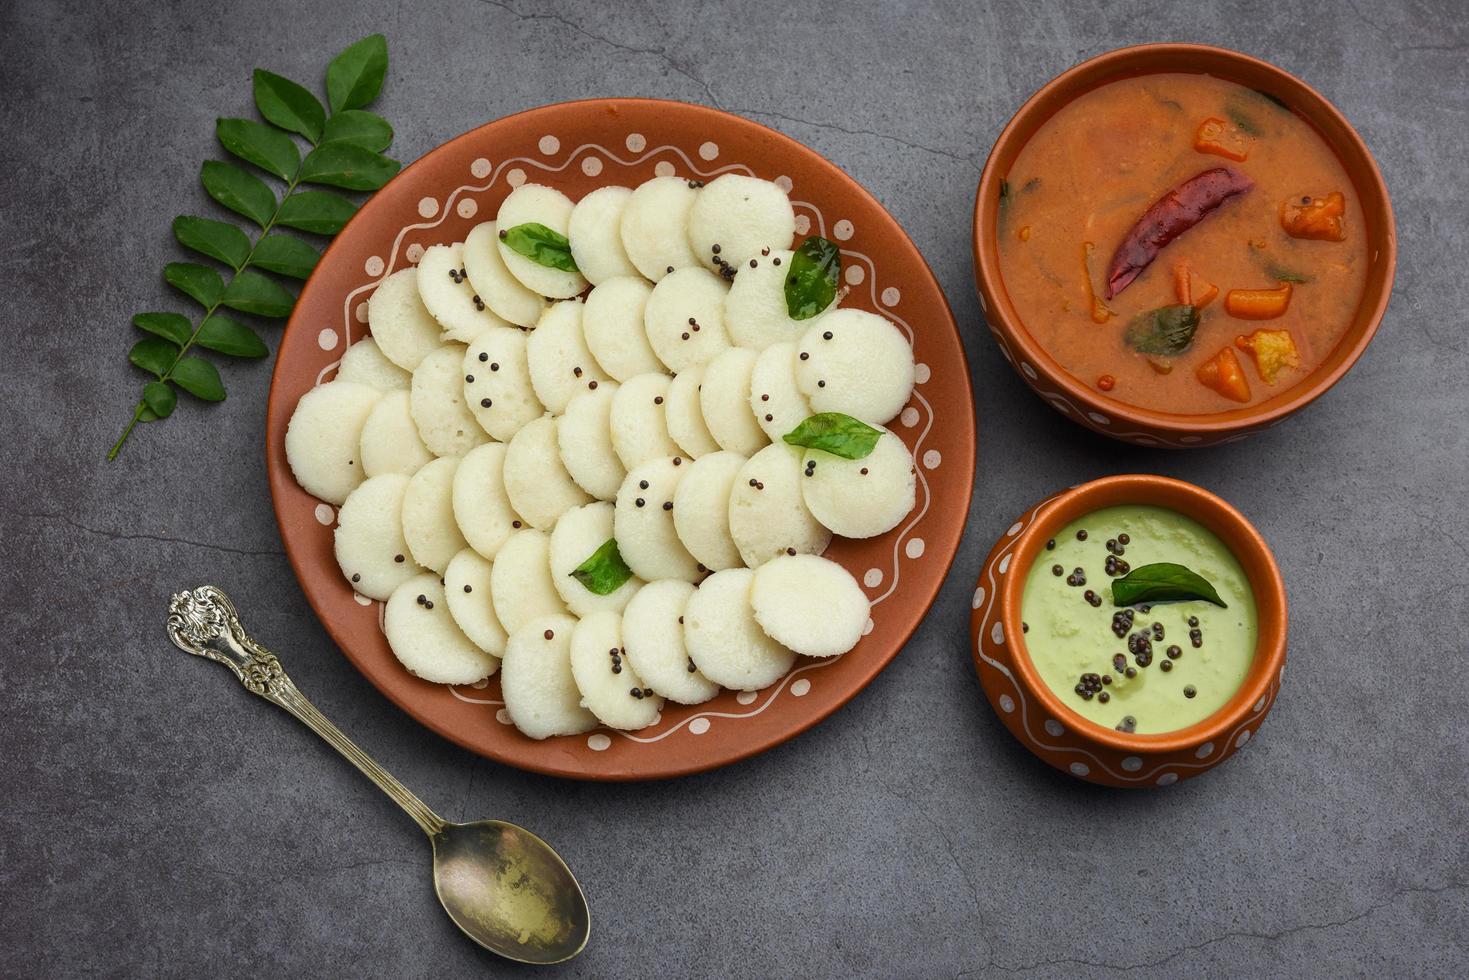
{"points": [[835, 433], [604, 571], [542, 245], [811, 284]]}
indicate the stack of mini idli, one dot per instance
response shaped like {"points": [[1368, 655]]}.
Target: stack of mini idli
{"points": [[561, 453]]}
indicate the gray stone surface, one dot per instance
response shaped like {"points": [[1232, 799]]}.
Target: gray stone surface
{"points": [[158, 822]]}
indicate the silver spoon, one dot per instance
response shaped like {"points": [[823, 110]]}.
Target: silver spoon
{"points": [[502, 885]]}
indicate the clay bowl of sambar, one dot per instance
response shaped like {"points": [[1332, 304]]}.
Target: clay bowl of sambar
{"points": [[1179, 245]]}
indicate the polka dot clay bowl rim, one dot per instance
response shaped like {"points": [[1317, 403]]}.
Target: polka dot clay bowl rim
{"points": [[576, 147], [1042, 721], [1110, 416]]}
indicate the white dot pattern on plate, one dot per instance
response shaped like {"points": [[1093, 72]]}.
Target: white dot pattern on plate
{"points": [[932, 459], [361, 599], [549, 144], [914, 548], [1132, 763], [746, 697], [854, 275], [374, 265], [784, 183], [327, 339], [921, 373], [699, 726], [480, 168], [591, 166], [502, 716], [803, 224], [481, 684], [1244, 737], [1014, 529], [978, 599], [636, 142], [997, 635], [801, 688], [360, 313], [1080, 769], [1004, 565], [1204, 751], [1099, 418], [325, 515], [869, 627], [414, 252], [843, 230], [428, 207], [467, 208], [515, 177], [1190, 439], [909, 418], [891, 296], [1027, 370], [1054, 728], [599, 742], [1007, 704], [708, 150], [1260, 703], [663, 168], [873, 578], [1168, 779]]}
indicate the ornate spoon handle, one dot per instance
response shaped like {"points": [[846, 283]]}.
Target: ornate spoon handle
{"points": [[204, 622]]}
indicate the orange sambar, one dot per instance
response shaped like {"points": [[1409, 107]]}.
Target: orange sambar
{"points": [[1080, 186]]}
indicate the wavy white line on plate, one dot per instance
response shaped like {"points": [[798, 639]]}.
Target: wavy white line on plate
{"points": [[733, 714]]}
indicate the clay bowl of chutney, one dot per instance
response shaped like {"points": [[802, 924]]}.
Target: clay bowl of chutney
{"points": [[1180, 245], [1130, 631]]}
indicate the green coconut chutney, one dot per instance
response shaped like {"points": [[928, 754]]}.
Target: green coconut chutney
{"points": [[1152, 667]]}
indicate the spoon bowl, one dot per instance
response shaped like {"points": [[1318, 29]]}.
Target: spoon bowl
{"points": [[510, 892]]}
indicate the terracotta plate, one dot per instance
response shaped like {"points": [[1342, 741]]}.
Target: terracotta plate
{"points": [[578, 147]]}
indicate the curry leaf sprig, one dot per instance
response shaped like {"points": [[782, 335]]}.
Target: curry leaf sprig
{"points": [[344, 151]]}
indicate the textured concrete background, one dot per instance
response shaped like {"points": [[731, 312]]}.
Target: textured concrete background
{"points": [[158, 821]]}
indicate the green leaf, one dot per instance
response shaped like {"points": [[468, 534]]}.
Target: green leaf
{"points": [[288, 105], [239, 190], [1242, 118], [269, 149], [541, 245], [348, 165], [169, 326], [286, 255], [199, 378], [604, 572], [153, 354], [835, 433], [367, 130], [1282, 274], [160, 399], [1166, 330], [1163, 581], [200, 282], [216, 239], [319, 212], [355, 76], [251, 292], [227, 336], [811, 285]]}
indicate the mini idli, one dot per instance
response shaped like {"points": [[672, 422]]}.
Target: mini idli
{"points": [[578, 535], [541, 696], [467, 589], [404, 329], [504, 294], [536, 480], [755, 311], [560, 364], [610, 688], [684, 416], [768, 515], [775, 396], [537, 204], [324, 438], [639, 431], [810, 604], [861, 498], [856, 363], [500, 395], [653, 636], [584, 438], [685, 318], [723, 639], [446, 293], [701, 510], [520, 580], [428, 515], [724, 399], [365, 363], [422, 634], [481, 506], [595, 230], [390, 441], [368, 540], [734, 217], [654, 226], [445, 424], [612, 323], [643, 522]]}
